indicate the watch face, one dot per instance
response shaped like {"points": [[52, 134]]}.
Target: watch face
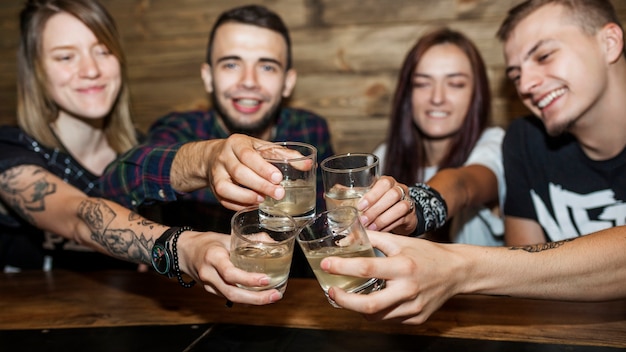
{"points": [[160, 259]]}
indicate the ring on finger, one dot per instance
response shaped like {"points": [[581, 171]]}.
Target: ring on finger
{"points": [[402, 193], [411, 205]]}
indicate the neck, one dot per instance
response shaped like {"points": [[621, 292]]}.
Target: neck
{"points": [[85, 141], [436, 150]]}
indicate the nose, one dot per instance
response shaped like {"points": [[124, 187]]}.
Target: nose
{"points": [[88, 67], [529, 79], [249, 78], [438, 94]]}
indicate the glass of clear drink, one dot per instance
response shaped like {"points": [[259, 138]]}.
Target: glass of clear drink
{"points": [[337, 232], [263, 244], [347, 177], [298, 163]]}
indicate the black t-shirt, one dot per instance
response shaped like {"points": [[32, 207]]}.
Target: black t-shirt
{"points": [[27, 247], [550, 180]]}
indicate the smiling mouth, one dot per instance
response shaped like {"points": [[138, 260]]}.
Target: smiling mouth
{"points": [[248, 103], [545, 101], [438, 114]]}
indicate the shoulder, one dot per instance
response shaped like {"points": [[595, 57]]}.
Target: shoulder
{"points": [[526, 125], [18, 148], [182, 117], [491, 135], [528, 132], [380, 150]]}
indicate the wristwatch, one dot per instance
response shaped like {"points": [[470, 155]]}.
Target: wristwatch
{"points": [[162, 259]]}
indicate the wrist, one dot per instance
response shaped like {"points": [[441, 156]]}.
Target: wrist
{"points": [[430, 208], [165, 256]]}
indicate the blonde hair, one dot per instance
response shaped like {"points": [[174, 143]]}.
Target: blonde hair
{"points": [[35, 107]]}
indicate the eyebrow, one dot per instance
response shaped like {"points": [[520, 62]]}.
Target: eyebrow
{"points": [[450, 75], [528, 54], [263, 59]]}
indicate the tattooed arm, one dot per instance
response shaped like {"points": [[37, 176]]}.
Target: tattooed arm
{"points": [[422, 275], [52, 205]]}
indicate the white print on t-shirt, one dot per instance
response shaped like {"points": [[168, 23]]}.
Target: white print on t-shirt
{"points": [[572, 210]]}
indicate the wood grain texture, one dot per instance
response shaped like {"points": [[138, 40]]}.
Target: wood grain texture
{"points": [[61, 299], [347, 54]]}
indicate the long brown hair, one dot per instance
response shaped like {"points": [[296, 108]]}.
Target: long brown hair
{"points": [[35, 107], [405, 158]]}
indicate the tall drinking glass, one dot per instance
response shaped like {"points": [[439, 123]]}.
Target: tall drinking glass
{"points": [[263, 244], [347, 177], [337, 232], [297, 162]]}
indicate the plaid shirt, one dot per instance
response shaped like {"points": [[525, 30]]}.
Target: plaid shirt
{"points": [[142, 175]]}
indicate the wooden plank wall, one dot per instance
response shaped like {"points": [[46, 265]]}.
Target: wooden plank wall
{"points": [[347, 54]]}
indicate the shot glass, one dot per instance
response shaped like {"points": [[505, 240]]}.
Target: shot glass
{"points": [[337, 232], [297, 162], [347, 177], [263, 244]]}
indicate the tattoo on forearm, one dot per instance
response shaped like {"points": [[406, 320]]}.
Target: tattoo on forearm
{"points": [[124, 243], [140, 220], [540, 247], [25, 199]]}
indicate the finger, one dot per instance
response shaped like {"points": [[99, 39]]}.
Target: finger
{"points": [[231, 284], [241, 295], [376, 192], [251, 164], [235, 197], [372, 304], [393, 217], [388, 243]]}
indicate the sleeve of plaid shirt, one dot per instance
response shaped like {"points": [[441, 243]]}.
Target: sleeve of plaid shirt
{"points": [[142, 175]]}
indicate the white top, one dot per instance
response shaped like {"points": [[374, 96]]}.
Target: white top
{"points": [[479, 226]]}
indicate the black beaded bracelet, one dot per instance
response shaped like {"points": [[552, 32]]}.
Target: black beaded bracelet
{"points": [[431, 208], [177, 272]]}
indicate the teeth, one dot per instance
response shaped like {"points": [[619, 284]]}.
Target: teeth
{"points": [[248, 102], [550, 97], [437, 113]]}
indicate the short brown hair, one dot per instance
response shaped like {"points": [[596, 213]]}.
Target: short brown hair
{"points": [[591, 15]]}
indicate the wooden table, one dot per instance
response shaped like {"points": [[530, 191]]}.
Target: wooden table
{"points": [[69, 300]]}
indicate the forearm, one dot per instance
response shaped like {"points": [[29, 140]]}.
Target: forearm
{"points": [[189, 168], [592, 267], [468, 186], [141, 175], [115, 230]]}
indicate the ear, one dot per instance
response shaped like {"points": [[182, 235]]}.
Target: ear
{"points": [[290, 82], [207, 77], [612, 39]]}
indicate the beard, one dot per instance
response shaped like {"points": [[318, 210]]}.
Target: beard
{"points": [[254, 129]]}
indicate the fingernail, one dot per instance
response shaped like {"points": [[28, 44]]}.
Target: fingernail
{"points": [[276, 296], [362, 204], [372, 227], [364, 219], [331, 293], [279, 193], [264, 281], [276, 177], [325, 264]]}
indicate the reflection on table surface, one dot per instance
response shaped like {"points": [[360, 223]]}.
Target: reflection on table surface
{"points": [[109, 300]]}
